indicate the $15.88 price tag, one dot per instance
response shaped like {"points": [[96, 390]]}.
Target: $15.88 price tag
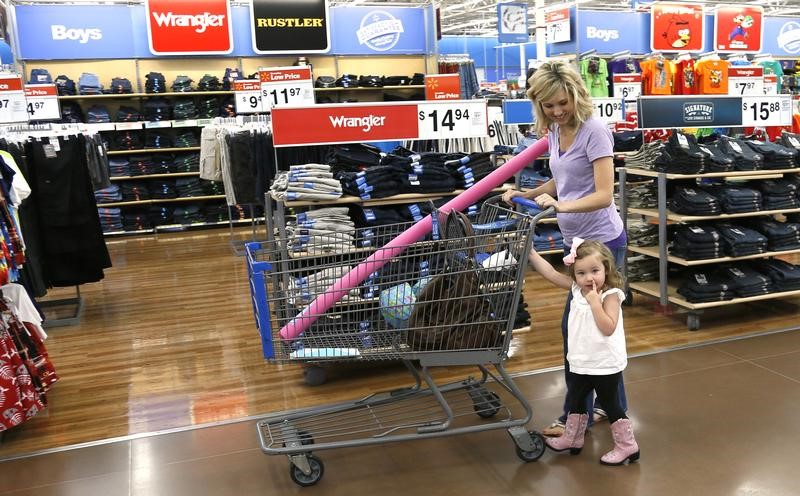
{"points": [[767, 111], [609, 109], [42, 102], [453, 119], [247, 93]]}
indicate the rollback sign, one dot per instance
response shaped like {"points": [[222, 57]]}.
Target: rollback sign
{"points": [[289, 26], [189, 27]]}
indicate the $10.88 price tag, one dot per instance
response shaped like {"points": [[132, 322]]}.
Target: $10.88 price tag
{"points": [[247, 93], [454, 119], [42, 102], [767, 111]]}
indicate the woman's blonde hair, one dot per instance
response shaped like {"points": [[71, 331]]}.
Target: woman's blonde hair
{"points": [[548, 79], [588, 248]]}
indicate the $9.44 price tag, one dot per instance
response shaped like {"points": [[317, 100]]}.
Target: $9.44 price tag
{"points": [[767, 111], [609, 109], [247, 94], [453, 119]]}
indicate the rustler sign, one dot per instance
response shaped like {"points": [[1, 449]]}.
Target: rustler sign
{"points": [[189, 27], [289, 26]]}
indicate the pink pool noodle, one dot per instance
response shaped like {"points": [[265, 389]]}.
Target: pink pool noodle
{"points": [[411, 235]]}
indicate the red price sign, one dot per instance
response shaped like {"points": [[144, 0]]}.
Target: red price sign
{"points": [[286, 86]]}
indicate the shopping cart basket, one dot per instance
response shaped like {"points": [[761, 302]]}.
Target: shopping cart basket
{"points": [[449, 299]]}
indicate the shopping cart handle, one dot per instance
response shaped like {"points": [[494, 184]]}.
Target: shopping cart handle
{"points": [[526, 203]]}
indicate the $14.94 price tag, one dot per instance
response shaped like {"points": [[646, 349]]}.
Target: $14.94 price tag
{"points": [[286, 86], [42, 102], [247, 93], [609, 109], [12, 99], [767, 111], [454, 119]]}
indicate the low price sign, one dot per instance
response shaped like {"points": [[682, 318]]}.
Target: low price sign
{"points": [[247, 94], [12, 99], [746, 81], [330, 124], [286, 86], [42, 102]]}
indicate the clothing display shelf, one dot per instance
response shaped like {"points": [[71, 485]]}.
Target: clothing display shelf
{"points": [[372, 88], [182, 227], [144, 95], [665, 289]]}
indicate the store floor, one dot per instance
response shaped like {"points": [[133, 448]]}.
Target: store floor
{"points": [[717, 419]]}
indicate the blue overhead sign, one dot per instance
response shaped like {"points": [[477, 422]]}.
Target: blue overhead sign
{"points": [[610, 32], [781, 36], [378, 31]]}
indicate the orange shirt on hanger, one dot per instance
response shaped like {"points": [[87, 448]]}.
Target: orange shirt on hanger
{"points": [[712, 76], [657, 74]]}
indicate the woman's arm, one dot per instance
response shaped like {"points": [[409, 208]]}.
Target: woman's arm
{"points": [[547, 188], [603, 195], [547, 271]]}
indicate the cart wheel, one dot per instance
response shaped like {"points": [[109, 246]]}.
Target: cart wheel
{"points": [[488, 406], [301, 479], [538, 448], [693, 321], [314, 375]]}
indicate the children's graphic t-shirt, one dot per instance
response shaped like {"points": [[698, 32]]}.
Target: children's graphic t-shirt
{"points": [[772, 67], [685, 81], [712, 77], [594, 72], [657, 75]]}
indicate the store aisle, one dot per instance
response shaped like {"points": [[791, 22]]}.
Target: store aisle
{"points": [[718, 419]]}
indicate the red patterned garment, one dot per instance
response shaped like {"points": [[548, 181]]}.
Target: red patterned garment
{"points": [[19, 400]]}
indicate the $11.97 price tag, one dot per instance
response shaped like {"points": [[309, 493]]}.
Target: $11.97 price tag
{"points": [[453, 119], [609, 109], [247, 94], [42, 102], [286, 86], [767, 111]]}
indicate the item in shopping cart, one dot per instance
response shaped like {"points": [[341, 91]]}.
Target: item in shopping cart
{"points": [[499, 260], [397, 304]]}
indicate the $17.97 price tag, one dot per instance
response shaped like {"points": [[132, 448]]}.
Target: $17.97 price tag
{"points": [[453, 119], [767, 111]]}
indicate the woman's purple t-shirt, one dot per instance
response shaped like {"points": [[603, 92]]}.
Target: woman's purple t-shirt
{"points": [[573, 173]]}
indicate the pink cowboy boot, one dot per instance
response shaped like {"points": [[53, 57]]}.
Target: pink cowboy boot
{"points": [[572, 439], [625, 446]]}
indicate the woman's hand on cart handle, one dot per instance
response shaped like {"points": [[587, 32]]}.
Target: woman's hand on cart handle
{"points": [[521, 200], [509, 195], [542, 212]]}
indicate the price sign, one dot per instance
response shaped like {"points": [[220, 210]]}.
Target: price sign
{"points": [[767, 111], [247, 93], [442, 120], [770, 84], [609, 109], [42, 102], [557, 26], [286, 86], [627, 86], [13, 106], [746, 81]]}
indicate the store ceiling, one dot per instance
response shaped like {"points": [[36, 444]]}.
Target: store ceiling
{"points": [[479, 17]]}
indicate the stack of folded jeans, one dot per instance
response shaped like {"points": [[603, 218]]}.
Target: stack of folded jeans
{"points": [[186, 162], [212, 187], [160, 215], [227, 108], [472, 168], [182, 84], [40, 76], [790, 140], [89, 84], [776, 156], [97, 114], [378, 181], [214, 212], [696, 242], [777, 194], [736, 199], [303, 290], [127, 140], [187, 214], [71, 112], [120, 86], [780, 235], [155, 83], [745, 281], [694, 201], [208, 108], [646, 156], [641, 233], [547, 237], [642, 268], [209, 83], [184, 109], [530, 179], [681, 155], [186, 139], [141, 165], [718, 161], [163, 163], [231, 75], [65, 86], [162, 189], [744, 158], [110, 219], [430, 178], [188, 187], [354, 157], [157, 109], [108, 195], [784, 275], [701, 286], [136, 220], [118, 167], [128, 114], [642, 195], [324, 230], [740, 241], [135, 191], [306, 182], [158, 139]]}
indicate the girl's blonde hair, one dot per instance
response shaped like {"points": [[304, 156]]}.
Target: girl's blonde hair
{"points": [[548, 79], [588, 248]]}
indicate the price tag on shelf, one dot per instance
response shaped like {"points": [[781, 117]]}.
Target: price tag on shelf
{"points": [[462, 119], [746, 81], [157, 124], [247, 93], [286, 86], [609, 109], [12, 99], [557, 28], [627, 86], [767, 111], [770, 84], [127, 126], [42, 102]]}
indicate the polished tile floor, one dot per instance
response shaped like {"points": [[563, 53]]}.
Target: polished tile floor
{"points": [[717, 419]]}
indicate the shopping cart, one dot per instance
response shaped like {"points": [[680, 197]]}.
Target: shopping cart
{"points": [[446, 300]]}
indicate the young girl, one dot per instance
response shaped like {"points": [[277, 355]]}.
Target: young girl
{"points": [[596, 346]]}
